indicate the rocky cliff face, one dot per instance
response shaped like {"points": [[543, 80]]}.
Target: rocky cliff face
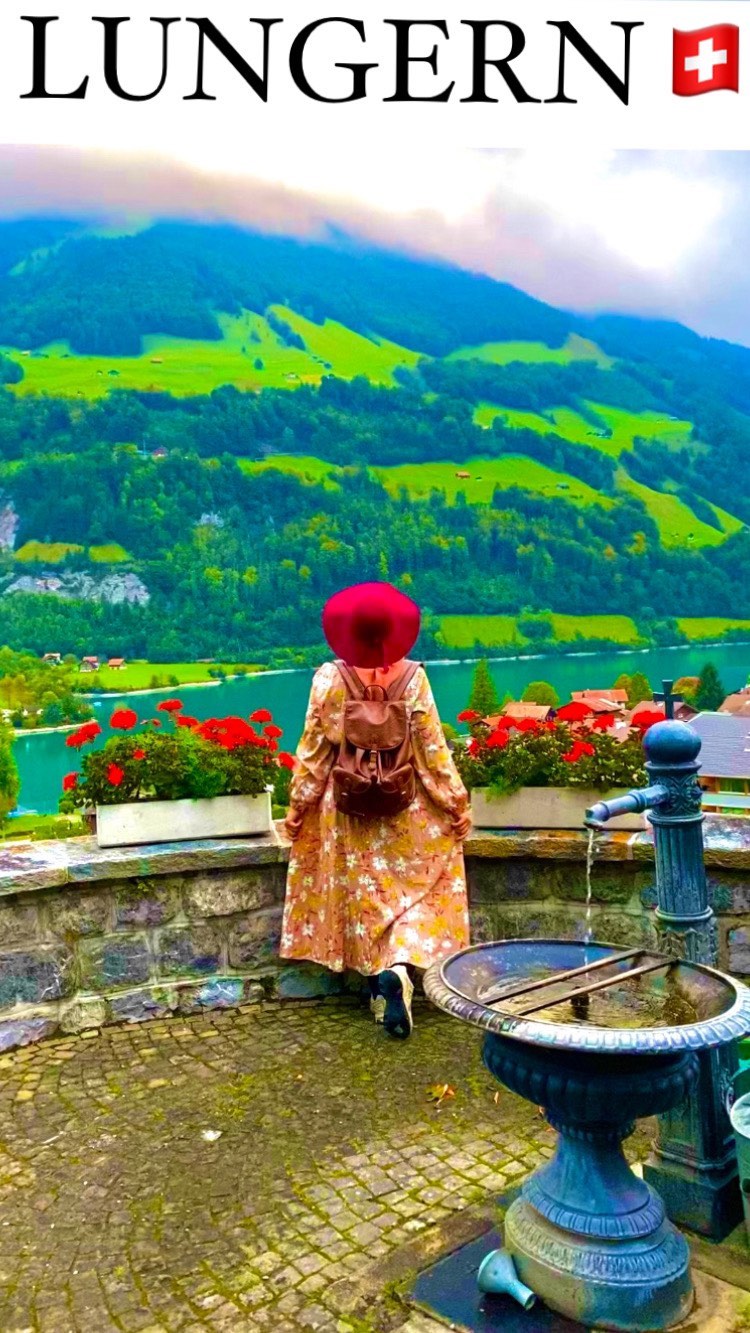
{"points": [[9, 521], [114, 589]]}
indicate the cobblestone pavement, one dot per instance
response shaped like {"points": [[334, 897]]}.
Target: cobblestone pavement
{"points": [[241, 1170]]}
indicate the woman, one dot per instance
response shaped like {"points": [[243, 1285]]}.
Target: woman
{"points": [[380, 895]]}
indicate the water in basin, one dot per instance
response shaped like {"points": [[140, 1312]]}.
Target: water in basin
{"points": [[645, 1002]]}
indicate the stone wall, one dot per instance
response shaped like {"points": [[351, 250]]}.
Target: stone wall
{"points": [[89, 937], [533, 884]]}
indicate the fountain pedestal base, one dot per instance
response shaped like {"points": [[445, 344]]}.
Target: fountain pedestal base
{"points": [[631, 1285], [587, 1235]]}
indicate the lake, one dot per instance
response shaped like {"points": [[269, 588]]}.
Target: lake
{"points": [[44, 759]]}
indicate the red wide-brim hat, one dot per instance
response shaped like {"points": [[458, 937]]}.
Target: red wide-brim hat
{"points": [[371, 624]]}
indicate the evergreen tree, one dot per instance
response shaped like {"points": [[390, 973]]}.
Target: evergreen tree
{"points": [[484, 698], [639, 689], [541, 692], [710, 693]]}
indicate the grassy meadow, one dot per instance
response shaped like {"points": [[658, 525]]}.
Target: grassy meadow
{"points": [[250, 354], [140, 675], [615, 435], [502, 631], [709, 627], [52, 553], [504, 353], [677, 524], [420, 479]]}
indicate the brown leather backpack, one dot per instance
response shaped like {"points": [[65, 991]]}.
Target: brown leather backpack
{"points": [[374, 775]]}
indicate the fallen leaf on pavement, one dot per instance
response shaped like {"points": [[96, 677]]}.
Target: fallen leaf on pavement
{"points": [[440, 1092]]}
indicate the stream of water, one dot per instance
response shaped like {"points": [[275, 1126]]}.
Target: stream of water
{"points": [[590, 853]]}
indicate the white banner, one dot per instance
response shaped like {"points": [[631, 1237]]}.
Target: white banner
{"points": [[134, 74]]}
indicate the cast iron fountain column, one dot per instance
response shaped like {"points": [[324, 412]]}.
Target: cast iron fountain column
{"points": [[693, 1164]]}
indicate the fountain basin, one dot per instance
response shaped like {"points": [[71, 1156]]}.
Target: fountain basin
{"points": [[596, 1050]]}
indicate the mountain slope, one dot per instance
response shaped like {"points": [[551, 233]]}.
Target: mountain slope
{"points": [[251, 421]]}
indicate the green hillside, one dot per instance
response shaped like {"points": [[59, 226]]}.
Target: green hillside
{"points": [[249, 354], [244, 422], [616, 432], [419, 479], [503, 631], [575, 348]]}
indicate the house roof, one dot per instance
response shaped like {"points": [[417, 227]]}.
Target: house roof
{"points": [[725, 745], [539, 712], [594, 696], [116, 661], [683, 712], [601, 701], [737, 704]]}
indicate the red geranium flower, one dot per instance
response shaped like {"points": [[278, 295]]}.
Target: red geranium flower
{"points": [[83, 735], [153, 722], [70, 781], [285, 760], [577, 750], [169, 706], [473, 746], [229, 732], [526, 724], [261, 715], [123, 719], [469, 715], [139, 754], [272, 731], [186, 721], [497, 739], [647, 718], [604, 722], [115, 774], [574, 712]]}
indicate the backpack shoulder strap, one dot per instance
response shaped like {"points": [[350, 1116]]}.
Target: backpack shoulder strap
{"points": [[400, 686], [354, 686]]}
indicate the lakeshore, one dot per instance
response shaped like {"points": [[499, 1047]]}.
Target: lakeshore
{"points": [[43, 758]]}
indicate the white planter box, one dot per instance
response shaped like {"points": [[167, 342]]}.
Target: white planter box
{"points": [[545, 807], [137, 822]]}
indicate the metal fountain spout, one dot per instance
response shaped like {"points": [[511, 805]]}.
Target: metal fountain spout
{"points": [[693, 1165], [632, 803]]}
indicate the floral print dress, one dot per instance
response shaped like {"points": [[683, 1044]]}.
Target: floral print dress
{"points": [[366, 894]]}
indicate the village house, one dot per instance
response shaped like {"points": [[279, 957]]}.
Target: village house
{"points": [[602, 701], [117, 663], [89, 664], [519, 711], [724, 760], [53, 658], [683, 712], [738, 704]]}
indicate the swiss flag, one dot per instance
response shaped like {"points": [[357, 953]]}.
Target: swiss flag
{"points": [[705, 60]]}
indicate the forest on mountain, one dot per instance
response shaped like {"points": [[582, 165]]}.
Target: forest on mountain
{"points": [[241, 556]]}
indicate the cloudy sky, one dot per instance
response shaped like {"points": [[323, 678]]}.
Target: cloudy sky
{"points": [[638, 232]]}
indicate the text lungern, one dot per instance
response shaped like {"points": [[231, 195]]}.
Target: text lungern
{"points": [[327, 60]]}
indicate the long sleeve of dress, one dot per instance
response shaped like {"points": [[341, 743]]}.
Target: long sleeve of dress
{"points": [[314, 756], [432, 755]]}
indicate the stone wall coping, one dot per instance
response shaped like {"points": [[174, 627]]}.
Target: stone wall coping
{"points": [[726, 843], [26, 865]]}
